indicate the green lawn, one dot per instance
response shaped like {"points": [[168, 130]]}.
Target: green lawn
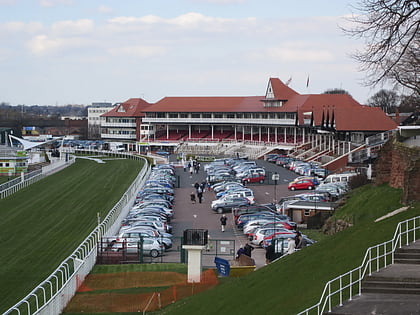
{"points": [[42, 224], [295, 282]]}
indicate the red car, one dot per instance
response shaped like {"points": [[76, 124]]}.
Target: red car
{"points": [[253, 178], [301, 184]]}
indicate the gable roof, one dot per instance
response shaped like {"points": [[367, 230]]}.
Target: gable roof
{"points": [[134, 107], [279, 90]]}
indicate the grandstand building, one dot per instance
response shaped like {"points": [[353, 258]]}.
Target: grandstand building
{"points": [[281, 118]]}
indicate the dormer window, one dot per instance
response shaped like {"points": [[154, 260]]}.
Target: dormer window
{"points": [[121, 109]]}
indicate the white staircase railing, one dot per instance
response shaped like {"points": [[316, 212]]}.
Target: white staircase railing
{"points": [[349, 284]]}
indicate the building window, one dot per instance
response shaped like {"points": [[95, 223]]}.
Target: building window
{"points": [[230, 115], [161, 115], [183, 115], [247, 115], [206, 115], [218, 115], [307, 213], [195, 115], [239, 115], [173, 115]]}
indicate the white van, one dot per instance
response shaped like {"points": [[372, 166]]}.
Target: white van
{"points": [[334, 178]]}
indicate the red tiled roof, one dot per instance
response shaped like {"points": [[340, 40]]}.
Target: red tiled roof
{"points": [[280, 90], [348, 113], [134, 107], [208, 104]]}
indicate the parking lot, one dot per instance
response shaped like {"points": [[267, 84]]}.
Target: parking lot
{"points": [[200, 216]]}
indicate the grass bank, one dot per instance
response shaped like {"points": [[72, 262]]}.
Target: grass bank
{"points": [[42, 224], [295, 282]]}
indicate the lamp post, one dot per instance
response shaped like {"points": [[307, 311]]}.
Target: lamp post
{"points": [[275, 177]]}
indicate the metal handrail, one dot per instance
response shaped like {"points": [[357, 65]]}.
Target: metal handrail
{"points": [[373, 261], [81, 253]]}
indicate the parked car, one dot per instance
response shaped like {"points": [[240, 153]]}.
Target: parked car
{"points": [[245, 218], [149, 246], [246, 193], [249, 209], [227, 203], [136, 235], [253, 178], [301, 184], [261, 233]]}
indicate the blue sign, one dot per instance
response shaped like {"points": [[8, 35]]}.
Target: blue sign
{"points": [[223, 266]]}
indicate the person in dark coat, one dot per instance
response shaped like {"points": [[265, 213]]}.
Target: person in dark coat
{"points": [[269, 254], [192, 196], [223, 220], [199, 194], [248, 249]]}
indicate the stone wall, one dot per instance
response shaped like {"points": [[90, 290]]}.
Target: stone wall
{"points": [[399, 165]]}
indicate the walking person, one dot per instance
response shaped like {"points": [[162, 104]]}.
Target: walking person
{"points": [[199, 194], [223, 220], [192, 196]]}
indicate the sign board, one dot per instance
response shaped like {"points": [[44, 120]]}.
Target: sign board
{"points": [[223, 266], [275, 177]]}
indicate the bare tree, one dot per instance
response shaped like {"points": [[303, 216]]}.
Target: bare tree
{"points": [[385, 99], [336, 91], [391, 32]]}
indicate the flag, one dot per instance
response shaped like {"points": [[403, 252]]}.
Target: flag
{"points": [[307, 82]]}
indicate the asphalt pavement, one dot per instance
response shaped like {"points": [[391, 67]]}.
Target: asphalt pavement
{"points": [[200, 215]]}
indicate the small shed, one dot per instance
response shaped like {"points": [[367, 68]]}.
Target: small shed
{"points": [[301, 211]]}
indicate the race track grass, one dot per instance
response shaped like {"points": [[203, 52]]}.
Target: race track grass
{"points": [[42, 224]]}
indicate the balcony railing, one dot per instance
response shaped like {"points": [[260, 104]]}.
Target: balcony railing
{"points": [[119, 124], [230, 121], [117, 136]]}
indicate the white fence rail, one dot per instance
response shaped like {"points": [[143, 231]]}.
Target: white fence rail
{"points": [[52, 295], [347, 285], [17, 184]]}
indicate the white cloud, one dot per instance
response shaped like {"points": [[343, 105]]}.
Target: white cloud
{"points": [[105, 9], [288, 54], [45, 45], [73, 27], [21, 27], [137, 51], [53, 3], [190, 20]]}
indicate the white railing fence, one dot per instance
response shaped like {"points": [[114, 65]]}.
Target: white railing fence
{"points": [[17, 184], [53, 294], [349, 284]]}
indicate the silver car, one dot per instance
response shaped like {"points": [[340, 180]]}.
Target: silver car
{"points": [[150, 246]]}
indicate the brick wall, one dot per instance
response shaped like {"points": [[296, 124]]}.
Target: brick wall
{"points": [[399, 165]]}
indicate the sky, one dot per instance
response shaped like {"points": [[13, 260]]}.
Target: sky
{"points": [[59, 52]]}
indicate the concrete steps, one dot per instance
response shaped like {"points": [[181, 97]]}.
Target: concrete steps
{"points": [[394, 290]]}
